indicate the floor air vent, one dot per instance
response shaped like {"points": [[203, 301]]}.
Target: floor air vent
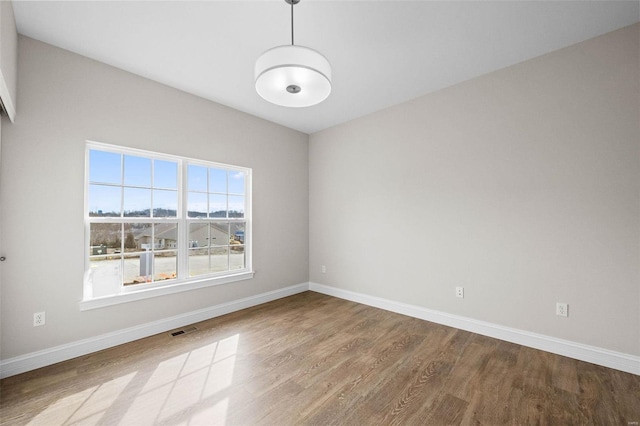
{"points": [[183, 331]]}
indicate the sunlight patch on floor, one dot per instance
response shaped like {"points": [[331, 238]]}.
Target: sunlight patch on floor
{"points": [[214, 415], [187, 389], [83, 405], [189, 385]]}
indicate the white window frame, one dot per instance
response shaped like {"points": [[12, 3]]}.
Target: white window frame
{"points": [[182, 282]]}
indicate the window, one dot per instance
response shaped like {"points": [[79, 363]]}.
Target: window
{"points": [[154, 220]]}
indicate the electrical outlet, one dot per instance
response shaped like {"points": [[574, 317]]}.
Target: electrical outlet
{"points": [[460, 292], [323, 269], [562, 309], [38, 319]]}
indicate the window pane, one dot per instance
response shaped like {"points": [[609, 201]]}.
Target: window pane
{"points": [[219, 259], [236, 257], [198, 261], [197, 204], [237, 233], [137, 171], [165, 266], [198, 235], [217, 180], [219, 234], [137, 237], [197, 178], [165, 174], [104, 276], [105, 238], [104, 200], [236, 182], [138, 268], [236, 206], [217, 205], [105, 167], [137, 202], [165, 203], [165, 236]]}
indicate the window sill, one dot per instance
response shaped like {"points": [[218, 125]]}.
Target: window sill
{"points": [[164, 290]]}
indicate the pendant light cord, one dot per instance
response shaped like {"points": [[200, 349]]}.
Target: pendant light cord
{"points": [[292, 23]]}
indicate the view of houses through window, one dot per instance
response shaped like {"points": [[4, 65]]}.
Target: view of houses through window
{"points": [[153, 218]]}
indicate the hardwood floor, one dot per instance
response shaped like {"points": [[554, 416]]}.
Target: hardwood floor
{"points": [[314, 359]]}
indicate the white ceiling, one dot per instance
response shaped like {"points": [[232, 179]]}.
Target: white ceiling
{"points": [[382, 52]]}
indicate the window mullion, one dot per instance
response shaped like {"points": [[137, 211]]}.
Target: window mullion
{"points": [[151, 213], [183, 225], [121, 185]]}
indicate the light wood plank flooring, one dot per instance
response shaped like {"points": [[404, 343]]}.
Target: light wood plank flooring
{"points": [[314, 359]]}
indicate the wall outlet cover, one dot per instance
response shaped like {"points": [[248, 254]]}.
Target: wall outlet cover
{"points": [[38, 319], [562, 309]]}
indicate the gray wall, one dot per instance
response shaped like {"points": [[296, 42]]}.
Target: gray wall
{"points": [[522, 185], [66, 99]]}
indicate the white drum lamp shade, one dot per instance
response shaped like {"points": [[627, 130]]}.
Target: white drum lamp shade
{"points": [[293, 76]]}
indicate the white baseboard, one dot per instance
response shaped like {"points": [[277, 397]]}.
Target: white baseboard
{"points": [[31, 361], [595, 355], [592, 354]]}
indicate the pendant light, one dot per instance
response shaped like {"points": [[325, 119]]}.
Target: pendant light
{"points": [[293, 76]]}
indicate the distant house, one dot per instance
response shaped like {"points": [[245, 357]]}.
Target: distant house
{"points": [[166, 238], [203, 234]]}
